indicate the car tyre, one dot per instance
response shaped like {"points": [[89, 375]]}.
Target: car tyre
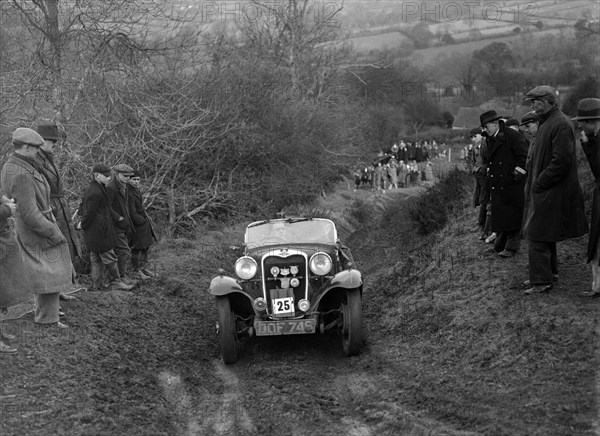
{"points": [[352, 335], [227, 332]]}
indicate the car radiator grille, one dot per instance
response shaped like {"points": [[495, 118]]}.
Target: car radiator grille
{"points": [[285, 263]]}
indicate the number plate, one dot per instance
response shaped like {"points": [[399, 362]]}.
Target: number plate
{"points": [[287, 327]]}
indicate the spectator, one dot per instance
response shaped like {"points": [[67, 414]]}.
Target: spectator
{"points": [[392, 172], [118, 195], [379, 174], [143, 234], [97, 222], [512, 123], [10, 292], [554, 209], [506, 171], [588, 118], [44, 249], [60, 208], [530, 124], [481, 194]]}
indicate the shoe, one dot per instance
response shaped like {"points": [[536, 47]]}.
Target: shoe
{"points": [[120, 286], [527, 283], [61, 313], [7, 349], [491, 238], [590, 294], [148, 273], [141, 275], [66, 297], [538, 289], [60, 325], [507, 253]]}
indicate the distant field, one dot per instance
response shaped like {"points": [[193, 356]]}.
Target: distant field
{"points": [[431, 55], [364, 44]]}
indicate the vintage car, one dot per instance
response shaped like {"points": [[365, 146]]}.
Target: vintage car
{"points": [[294, 277]]}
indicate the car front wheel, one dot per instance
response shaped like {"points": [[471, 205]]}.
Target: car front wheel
{"points": [[352, 323], [227, 333]]}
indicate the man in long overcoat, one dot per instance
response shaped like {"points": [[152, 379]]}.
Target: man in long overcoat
{"points": [[44, 249], [588, 118], [506, 177], [97, 222], [143, 236], [61, 209], [118, 194], [554, 209]]}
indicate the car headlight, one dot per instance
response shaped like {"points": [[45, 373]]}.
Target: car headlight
{"points": [[246, 267], [320, 263]]}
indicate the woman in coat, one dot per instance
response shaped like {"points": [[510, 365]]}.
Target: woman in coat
{"points": [[143, 235], [9, 262]]}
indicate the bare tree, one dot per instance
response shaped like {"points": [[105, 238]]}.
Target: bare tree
{"points": [[300, 37]]}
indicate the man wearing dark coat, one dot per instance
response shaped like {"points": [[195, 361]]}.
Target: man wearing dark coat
{"points": [[554, 209], [588, 118], [60, 208], [43, 248], [143, 236], [118, 194], [97, 222], [507, 150]]}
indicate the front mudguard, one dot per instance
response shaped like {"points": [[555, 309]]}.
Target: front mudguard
{"points": [[239, 298], [347, 279], [224, 285]]}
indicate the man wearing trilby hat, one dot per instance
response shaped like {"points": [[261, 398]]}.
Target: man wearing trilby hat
{"points": [[554, 209], [507, 151], [588, 118]]}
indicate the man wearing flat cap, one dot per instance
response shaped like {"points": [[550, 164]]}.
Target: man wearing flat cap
{"points": [[98, 224], [588, 119], [506, 174], [60, 208], [44, 249], [481, 193], [529, 124], [119, 200], [554, 209]]}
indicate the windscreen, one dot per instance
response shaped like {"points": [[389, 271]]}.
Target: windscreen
{"points": [[314, 231]]}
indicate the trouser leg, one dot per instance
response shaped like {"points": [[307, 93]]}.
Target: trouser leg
{"points": [[110, 262], [500, 242], [46, 308], [123, 253], [97, 270], [540, 262], [136, 259], [513, 240]]}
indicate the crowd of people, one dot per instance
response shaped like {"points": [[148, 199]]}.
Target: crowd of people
{"points": [[39, 244], [404, 165], [527, 184]]}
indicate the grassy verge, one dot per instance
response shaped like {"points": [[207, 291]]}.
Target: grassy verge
{"points": [[471, 348]]}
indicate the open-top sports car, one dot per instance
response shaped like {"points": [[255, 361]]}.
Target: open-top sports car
{"points": [[295, 277]]}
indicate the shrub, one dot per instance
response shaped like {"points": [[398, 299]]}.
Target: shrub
{"points": [[432, 210]]}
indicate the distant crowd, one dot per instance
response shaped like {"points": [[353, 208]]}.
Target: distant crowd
{"points": [[39, 240], [404, 165]]}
